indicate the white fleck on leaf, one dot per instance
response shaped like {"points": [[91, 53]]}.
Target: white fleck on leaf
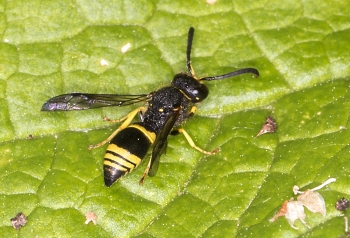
{"points": [[211, 1], [125, 48], [104, 62], [91, 216]]}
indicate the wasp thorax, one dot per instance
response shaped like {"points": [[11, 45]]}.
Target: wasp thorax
{"points": [[191, 87]]}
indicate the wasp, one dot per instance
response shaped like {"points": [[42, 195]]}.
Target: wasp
{"points": [[166, 109]]}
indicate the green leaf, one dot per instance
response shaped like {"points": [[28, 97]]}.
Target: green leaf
{"points": [[302, 52]]}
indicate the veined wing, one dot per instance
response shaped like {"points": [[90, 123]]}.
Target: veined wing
{"points": [[161, 142], [84, 101]]}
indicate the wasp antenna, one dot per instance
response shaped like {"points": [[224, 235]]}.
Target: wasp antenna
{"points": [[235, 73], [188, 52]]}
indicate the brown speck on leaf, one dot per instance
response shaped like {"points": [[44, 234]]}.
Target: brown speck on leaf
{"points": [[91, 216], [269, 126], [342, 204], [19, 220]]}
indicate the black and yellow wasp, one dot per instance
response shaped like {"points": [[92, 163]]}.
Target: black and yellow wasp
{"points": [[167, 108]]}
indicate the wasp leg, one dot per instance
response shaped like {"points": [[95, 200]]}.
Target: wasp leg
{"points": [[192, 111], [145, 173], [192, 144], [127, 120]]}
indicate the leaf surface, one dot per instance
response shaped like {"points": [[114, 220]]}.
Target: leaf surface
{"points": [[302, 52]]}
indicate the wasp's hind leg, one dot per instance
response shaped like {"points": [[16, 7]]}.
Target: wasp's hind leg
{"points": [[188, 137], [145, 172], [191, 142], [127, 120]]}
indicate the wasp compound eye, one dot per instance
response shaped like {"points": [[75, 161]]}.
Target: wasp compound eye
{"points": [[191, 87]]}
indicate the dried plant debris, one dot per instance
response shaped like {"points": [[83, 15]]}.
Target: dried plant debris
{"points": [[342, 204], [19, 220], [269, 126], [346, 224], [313, 201], [91, 216], [294, 210]]}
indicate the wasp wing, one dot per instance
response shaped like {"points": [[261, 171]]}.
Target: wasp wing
{"points": [[84, 101], [161, 142]]}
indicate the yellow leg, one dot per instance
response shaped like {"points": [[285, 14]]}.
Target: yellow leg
{"points": [[192, 111], [127, 120], [192, 144], [146, 172]]}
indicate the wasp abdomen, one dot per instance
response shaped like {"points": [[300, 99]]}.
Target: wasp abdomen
{"points": [[126, 151]]}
